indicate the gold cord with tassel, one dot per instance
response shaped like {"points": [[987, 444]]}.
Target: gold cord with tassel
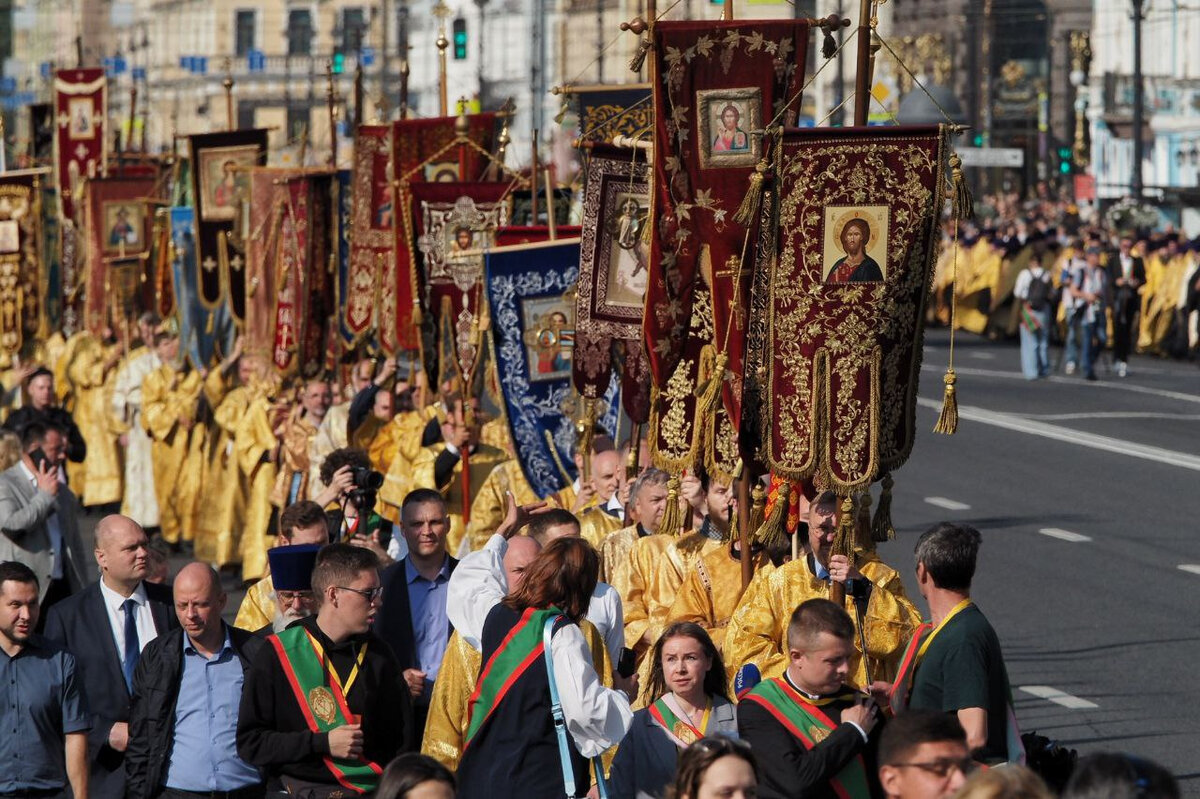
{"points": [[828, 43], [963, 208], [964, 205], [862, 524], [639, 56], [708, 393], [672, 518], [747, 212], [948, 419], [882, 528]]}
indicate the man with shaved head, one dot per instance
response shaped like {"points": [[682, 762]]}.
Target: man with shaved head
{"points": [[106, 626], [186, 692]]}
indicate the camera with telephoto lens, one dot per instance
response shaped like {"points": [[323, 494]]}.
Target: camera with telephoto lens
{"points": [[367, 483]]}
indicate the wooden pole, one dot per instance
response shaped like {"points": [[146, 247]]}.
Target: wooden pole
{"points": [[230, 120], [441, 11], [405, 70], [862, 71], [743, 511], [549, 184], [331, 105], [533, 181]]}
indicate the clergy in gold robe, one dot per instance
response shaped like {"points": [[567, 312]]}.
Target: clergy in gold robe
{"points": [[295, 440], [712, 588], [170, 399], [219, 515], [441, 467], [302, 523], [648, 500], [257, 450], [333, 432], [409, 431], [490, 502], [138, 501], [757, 631], [91, 374]]}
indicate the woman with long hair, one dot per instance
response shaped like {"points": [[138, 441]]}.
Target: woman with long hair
{"points": [[513, 746], [413, 776], [716, 768], [689, 700]]}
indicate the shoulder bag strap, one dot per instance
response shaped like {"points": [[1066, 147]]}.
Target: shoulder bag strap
{"points": [[560, 721]]}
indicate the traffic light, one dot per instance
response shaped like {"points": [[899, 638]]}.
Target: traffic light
{"points": [[460, 39], [338, 62], [978, 139], [1064, 160]]}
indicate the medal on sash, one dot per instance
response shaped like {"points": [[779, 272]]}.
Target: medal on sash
{"points": [[668, 715]]}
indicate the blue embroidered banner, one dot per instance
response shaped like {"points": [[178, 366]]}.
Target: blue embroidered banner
{"points": [[200, 329], [534, 333]]}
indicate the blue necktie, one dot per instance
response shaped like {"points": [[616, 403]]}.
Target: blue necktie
{"points": [[132, 650]]}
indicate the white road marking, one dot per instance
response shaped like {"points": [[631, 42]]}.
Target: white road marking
{"points": [[1123, 385], [1063, 417], [1064, 535], [1191, 568], [983, 356], [1118, 446], [948, 504], [1057, 697]]}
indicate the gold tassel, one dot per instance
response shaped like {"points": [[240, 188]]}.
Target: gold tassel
{"points": [[948, 420], [773, 528], [828, 44], [964, 205], [708, 393], [747, 212], [672, 518], [882, 528], [847, 521], [758, 504], [639, 56]]}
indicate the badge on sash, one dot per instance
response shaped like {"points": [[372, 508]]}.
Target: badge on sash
{"points": [[817, 734], [322, 704], [684, 733]]}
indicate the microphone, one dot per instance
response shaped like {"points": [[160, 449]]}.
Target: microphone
{"points": [[746, 678]]}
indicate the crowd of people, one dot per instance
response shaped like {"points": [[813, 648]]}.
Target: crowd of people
{"points": [[418, 623], [1037, 268]]}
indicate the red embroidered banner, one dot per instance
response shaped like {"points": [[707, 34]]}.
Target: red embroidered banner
{"points": [[858, 212], [269, 198], [373, 236], [81, 146], [119, 232]]}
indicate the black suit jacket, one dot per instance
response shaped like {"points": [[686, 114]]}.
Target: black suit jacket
{"points": [[1125, 295], [80, 624], [393, 621]]}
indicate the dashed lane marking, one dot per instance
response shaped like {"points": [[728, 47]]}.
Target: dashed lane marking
{"points": [[948, 504], [1057, 697], [1190, 568], [1118, 446], [1103, 384], [1064, 535]]}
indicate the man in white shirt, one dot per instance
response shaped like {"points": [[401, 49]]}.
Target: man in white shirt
{"points": [[1033, 291], [38, 516]]}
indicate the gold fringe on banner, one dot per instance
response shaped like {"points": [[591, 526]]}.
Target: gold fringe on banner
{"points": [[708, 393], [948, 420], [882, 528], [747, 212], [964, 205]]}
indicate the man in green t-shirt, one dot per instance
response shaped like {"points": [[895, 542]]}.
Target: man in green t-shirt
{"points": [[954, 664]]}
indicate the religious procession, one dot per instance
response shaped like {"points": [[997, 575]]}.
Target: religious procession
{"points": [[421, 472]]}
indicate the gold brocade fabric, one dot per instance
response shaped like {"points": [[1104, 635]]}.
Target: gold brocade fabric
{"points": [[644, 557], [482, 461], [595, 525], [490, 503], [449, 709], [758, 629], [615, 560], [406, 430], [258, 607], [219, 516], [169, 401], [253, 443], [331, 435], [711, 591], [92, 385], [564, 497], [678, 560], [495, 434], [298, 435]]}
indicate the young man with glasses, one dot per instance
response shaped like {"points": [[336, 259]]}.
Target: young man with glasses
{"points": [[923, 755], [325, 706]]}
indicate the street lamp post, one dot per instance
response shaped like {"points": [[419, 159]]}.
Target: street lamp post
{"points": [[1139, 99]]}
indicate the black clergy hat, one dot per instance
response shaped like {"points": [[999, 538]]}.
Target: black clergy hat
{"points": [[292, 566]]}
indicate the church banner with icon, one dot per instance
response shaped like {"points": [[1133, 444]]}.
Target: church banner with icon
{"points": [[81, 146], [221, 164], [23, 282], [372, 243], [119, 239], [532, 323], [857, 212], [204, 333], [606, 111]]}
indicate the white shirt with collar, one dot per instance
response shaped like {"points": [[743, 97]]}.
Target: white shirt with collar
{"points": [[146, 630], [52, 527]]}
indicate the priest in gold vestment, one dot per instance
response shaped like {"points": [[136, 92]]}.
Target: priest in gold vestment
{"points": [[170, 401], [712, 589], [257, 449], [90, 375], [333, 433], [295, 440], [758, 629], [139, 501]]}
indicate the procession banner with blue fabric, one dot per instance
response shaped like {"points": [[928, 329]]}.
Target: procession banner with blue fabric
{"points": [[201, 330], [532, 324]]}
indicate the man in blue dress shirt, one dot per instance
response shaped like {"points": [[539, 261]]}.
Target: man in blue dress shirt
{"points": [[186, 693], [43, 719]]}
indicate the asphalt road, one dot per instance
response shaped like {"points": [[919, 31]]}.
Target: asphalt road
{"points": [[1086, 495]]}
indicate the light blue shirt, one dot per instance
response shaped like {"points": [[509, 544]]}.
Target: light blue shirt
{"points": [[204, 754], [431, 625]]}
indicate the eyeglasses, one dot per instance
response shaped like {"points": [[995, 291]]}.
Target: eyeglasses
{"points": [[942, 768], [370, 594]]}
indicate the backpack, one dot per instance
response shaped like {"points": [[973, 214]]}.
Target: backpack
{"points": [[1038, 296]]}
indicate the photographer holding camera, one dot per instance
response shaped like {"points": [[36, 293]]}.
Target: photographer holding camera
{"points": [[353, 485]]}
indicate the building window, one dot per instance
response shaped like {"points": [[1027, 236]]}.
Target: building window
{"points": [[300, 32], [243, 25], [297, 123], [354, 29]]}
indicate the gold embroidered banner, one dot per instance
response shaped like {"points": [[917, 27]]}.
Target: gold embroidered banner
{"points": [[81, 146], [372, 241], [118, 237], [858, 214], [22, 284]]}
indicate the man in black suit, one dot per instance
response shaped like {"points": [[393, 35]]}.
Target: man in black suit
{"points": [[105, 626], [1127, 275], [43, 408], [412, 619]]}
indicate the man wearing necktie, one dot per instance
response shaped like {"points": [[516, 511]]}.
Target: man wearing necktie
{"points": [[106, 626]]}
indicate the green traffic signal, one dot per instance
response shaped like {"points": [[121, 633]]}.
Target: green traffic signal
{"points": [[460, 39], [338, 63]]}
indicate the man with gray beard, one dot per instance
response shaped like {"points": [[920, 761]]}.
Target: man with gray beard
{"points": [[291, 572]]}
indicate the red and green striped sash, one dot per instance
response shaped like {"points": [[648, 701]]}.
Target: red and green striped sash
{"points": [[810, 725], [324, 706], [902, 687], [520, 649]]}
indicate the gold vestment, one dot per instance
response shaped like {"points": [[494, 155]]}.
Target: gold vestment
{"points": [[169, 405], [258, 607], [91, 385], [219, 516], [291, 483], [711, 591], [482, 461], [254, 442]]}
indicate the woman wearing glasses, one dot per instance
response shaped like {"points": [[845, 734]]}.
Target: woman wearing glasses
{"points": [[687, 679], [512, 748], [716, 768]]}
